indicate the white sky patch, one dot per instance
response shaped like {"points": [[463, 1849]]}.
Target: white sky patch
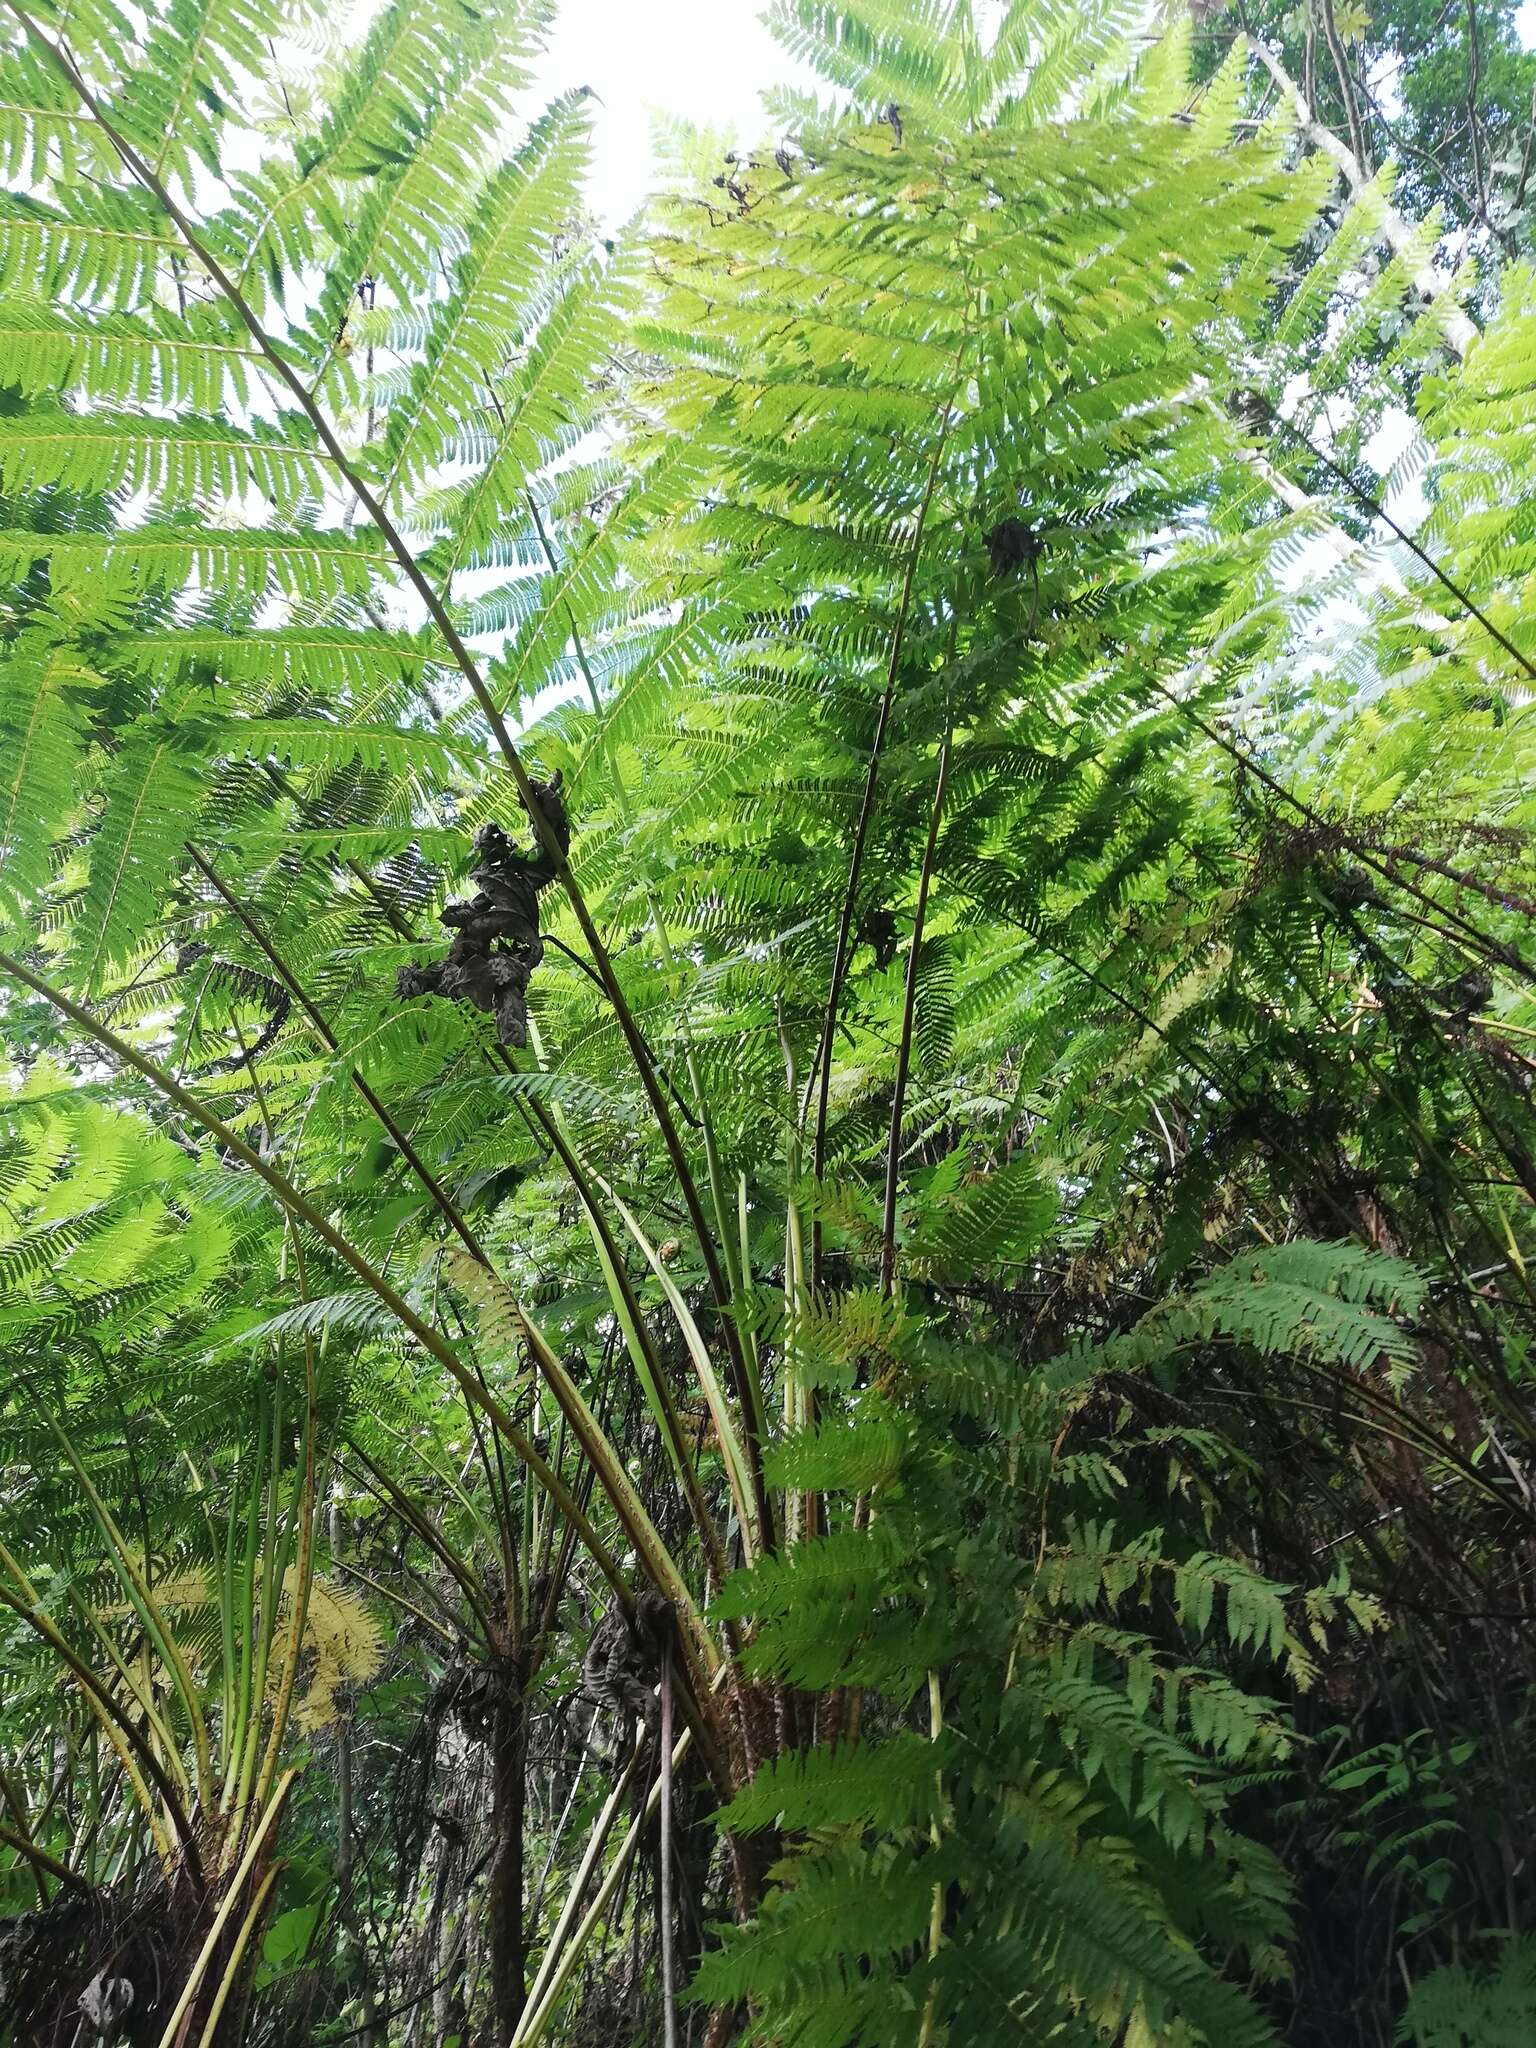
{"points": [[703, 61]]}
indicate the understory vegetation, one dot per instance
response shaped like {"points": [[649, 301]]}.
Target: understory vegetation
{"points": [[768, 1020]]}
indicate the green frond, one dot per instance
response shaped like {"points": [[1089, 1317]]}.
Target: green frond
{"points": [[188, 461], [312, 742], [152, 796], [196, 57], [1043, 49], [405, 144], [325, 658], [44, 697], [877, 51], [125, 358], [1002, 1216], [44, 131], [836, 1458], [498, 291], [889, 1785], [317, 565], [116, 252], [1461, 2006]]}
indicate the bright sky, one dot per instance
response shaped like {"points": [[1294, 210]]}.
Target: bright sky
{"points": [[703, 60]]}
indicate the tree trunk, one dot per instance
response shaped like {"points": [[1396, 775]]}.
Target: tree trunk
{"points": [[509, 1986], [356, 1948]]}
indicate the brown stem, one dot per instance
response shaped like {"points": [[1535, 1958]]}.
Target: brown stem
{"points": [[664, 1855], [908, 1019], [355, 1954], [702, 1121], [427, 1533], [821, 1069], [127, 1727], [709, 1533], [1474, 76]]}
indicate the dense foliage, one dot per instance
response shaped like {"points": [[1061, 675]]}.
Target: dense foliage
{"points": [[767, 1163]]}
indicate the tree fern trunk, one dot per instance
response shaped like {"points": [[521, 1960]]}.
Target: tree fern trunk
{"points": [[509, 1743]]}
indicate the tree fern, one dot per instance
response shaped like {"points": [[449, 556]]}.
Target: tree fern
{"points": [[1024, 1134]]}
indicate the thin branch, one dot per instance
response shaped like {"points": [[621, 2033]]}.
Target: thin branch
{"points": [[908, 1019], [821, 1069], [1346, 85]]}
